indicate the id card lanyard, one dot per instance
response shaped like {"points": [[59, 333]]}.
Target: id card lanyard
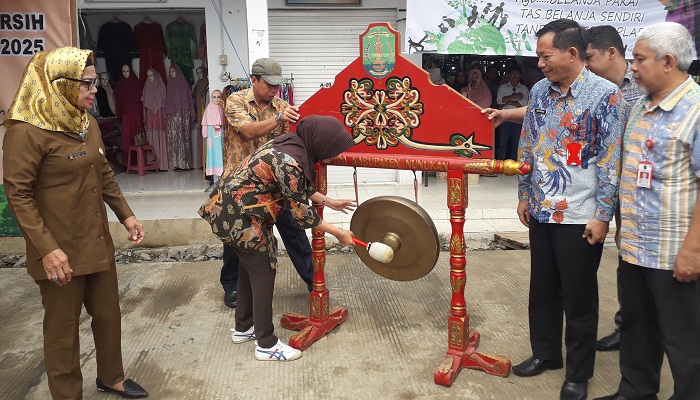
{"points": [[645, 168]]}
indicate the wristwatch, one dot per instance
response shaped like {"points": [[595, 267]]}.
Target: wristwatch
{"points": [[278, 117]]}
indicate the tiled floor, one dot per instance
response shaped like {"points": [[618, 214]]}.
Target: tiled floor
{"points": [[178, 194]]}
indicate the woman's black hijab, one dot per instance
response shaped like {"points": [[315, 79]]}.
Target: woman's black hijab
{"points": [[316, 138]]}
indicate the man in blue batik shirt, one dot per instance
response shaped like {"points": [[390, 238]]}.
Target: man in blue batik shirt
{"points": [[571, 137]]}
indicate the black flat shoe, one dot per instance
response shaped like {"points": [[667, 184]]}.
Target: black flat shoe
{"points": [[132, 390], [535, 366], [573, 391], [231, 299], [609, 343]]}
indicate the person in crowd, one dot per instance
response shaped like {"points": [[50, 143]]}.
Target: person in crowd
{"points": [[153, 98], [571, 137], [57, 181], [605, 57], [243, 208], [213, 133], [477, 90], [493, 80], [660, 229], [127, 92], [460, 80], [511, 95], [105, 97], [255, 116], [179, 115]]}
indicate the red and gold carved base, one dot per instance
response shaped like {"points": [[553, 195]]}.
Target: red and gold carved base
{"points": [[321, 319], [461, 351], [317, 325]]}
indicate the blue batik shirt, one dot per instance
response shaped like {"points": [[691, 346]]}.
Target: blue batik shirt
{"points": [[588, 113]]}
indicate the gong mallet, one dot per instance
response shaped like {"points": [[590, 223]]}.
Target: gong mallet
{"points": [[377, 250]]}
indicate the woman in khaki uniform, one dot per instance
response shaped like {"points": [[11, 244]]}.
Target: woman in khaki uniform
{"points": [[57, 181]]}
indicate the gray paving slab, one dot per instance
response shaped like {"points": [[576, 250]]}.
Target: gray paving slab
{"points": [[176, 338]]}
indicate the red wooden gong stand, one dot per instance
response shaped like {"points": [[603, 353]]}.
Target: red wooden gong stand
{"points": [[400, 120]]}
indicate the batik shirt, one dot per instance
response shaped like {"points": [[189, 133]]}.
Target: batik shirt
{"points": [[588, 113], [244, 206], [655, 221], [241, 108], [630, 91]]}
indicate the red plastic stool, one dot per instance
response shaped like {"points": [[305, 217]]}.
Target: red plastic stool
{"points": [[142, 163]]}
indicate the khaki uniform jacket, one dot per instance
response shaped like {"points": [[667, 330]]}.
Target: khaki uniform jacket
{"points": [[57, 186]]}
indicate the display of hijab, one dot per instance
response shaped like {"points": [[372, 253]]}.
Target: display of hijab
{"points": [[127, 91], [48, 94], [154, 91], [316, 138], [105, 97], [178, 92], [212, 130]]}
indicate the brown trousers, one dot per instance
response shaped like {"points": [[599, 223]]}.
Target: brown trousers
{"points": [[256, 285], [62, 307]]}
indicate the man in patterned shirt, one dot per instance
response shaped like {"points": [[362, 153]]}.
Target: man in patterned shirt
{"points": [[256, 116], [605, 57], [660, 230], [571, 137]]}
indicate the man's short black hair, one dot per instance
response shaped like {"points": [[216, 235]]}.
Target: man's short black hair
{"points": [[567, 33], [604, 37]]}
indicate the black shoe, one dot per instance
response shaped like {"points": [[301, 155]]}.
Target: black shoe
{"points": [[535, 366], [231, 298], [615, 396], [573, 391], [132, 390], [609, 343]]}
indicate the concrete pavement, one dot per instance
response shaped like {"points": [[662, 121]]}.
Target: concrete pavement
{"points": [[176, 338]]}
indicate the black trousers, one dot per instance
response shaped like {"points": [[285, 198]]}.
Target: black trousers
{"points": [[564, 282], [256, 285], [295, 242], [659, 314]]}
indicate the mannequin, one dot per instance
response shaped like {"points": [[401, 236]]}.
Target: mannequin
{"points": [[212, 131], [105, 97], [153, 99], [179, 114], [199, 92], [127, 92]]}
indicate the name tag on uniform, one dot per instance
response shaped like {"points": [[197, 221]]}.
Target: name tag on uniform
{"points": [[79, 154], [540, 111], [644, 172]]}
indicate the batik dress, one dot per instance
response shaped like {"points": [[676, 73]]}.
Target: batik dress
{"points": [[243, 207]]}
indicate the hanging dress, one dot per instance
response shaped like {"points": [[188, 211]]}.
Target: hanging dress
{"points": [[179, 114], [153, 99], [127, 93]]}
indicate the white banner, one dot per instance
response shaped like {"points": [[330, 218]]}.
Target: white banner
{"points": [[508, 27]]}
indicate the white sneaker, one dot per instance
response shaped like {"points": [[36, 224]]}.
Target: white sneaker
{"points": [[279, 352], [241, 337]]}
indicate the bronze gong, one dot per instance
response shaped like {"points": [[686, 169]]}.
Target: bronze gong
{"points": [[405, 227]]}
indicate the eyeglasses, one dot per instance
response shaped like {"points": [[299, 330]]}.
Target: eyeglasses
{"points": [[91, 83]]}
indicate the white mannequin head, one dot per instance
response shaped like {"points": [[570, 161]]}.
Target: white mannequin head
{"points": [[216, 97], [126, 71], [150, 75]]}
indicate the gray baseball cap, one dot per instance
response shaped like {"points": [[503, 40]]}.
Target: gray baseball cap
{"points": [[269, 69]]}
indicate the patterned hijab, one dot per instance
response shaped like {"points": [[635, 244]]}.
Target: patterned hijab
{"points": [[45, 98], [317, 138]]}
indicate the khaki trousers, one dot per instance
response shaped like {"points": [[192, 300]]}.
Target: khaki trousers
{"points": [[99, 294]]}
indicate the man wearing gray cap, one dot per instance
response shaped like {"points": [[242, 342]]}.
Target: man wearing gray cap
{"points": [[255, 116]]}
